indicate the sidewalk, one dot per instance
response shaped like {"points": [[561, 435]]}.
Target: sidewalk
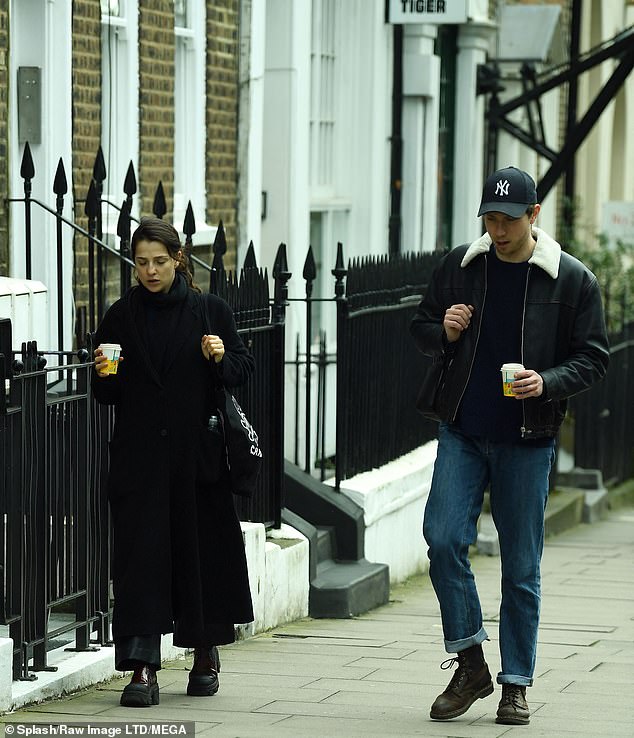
{"points": [[379, 673]]}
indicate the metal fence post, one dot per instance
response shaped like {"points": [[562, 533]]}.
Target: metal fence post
{"points": [[281, 275], [27, 172], [339, 273]]}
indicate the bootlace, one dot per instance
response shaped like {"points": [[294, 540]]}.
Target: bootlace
{"points": [[512, 694], [461, 672]]}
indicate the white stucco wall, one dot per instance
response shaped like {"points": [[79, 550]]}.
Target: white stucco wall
{"points": [[393, 499]]}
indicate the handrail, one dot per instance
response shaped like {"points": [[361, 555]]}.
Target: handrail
{"points": [[74, 226]]}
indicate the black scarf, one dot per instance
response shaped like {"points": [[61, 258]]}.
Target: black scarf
{"points": [[160, 314]]}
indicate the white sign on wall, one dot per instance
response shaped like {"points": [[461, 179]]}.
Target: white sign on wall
{"points": [[618, 221], [438, 12]]}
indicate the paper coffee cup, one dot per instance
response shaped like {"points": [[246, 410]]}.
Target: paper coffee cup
{"points": [[508, 377], [112, 351]]}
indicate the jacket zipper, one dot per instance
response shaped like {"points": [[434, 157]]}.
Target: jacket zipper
{"points": [[528, 273], [475, 348]]}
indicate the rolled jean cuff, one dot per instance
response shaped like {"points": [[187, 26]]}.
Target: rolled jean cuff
{"points": [[521, 681], [462, 643]]}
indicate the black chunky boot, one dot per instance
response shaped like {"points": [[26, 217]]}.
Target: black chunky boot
{"points": [[470, 682], [143, 690], [203, 678]]}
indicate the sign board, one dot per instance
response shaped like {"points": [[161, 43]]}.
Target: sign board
{"points": [[435, 12], [618, 222]]}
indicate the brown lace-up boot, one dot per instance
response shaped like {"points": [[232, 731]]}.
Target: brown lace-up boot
{"points": [[513, 708], [203, 678], [471, 681]]}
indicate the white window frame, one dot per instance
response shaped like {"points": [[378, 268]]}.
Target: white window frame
{"points": [[323, 104], [120, 105], [40, 36], [190, 125]]}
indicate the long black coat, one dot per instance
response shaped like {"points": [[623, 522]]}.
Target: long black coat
{"points": [[179, 561]]}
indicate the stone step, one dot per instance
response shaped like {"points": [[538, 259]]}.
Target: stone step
{"points": [[343, 589]]}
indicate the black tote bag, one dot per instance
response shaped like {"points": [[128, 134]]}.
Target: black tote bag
{"points": [[241, 443]]}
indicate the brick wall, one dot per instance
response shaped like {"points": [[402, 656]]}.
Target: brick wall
{"points": [[222, 117], [86, 81], [156, 101], [4, 138]]}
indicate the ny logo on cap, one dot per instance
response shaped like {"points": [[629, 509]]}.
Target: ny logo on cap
{"points": [[502, 187]]}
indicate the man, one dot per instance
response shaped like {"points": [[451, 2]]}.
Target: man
{"points": [[512, 295]]}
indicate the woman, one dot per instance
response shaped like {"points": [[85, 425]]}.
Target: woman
{"points": [[179, 563]]}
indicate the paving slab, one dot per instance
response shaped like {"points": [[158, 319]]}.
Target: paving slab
{"points": [[377, 674]]}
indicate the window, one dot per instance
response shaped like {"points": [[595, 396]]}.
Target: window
{"points": [[119, 99], [110, 7], [322, 106], [189, 114]]}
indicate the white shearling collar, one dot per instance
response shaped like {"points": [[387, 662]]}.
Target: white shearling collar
{"points": [[546, 255]]}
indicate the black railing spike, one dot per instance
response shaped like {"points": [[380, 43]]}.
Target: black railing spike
{"points": [[91, 206], [60, 185], [220, 241], [129, 183], [339, 261], [250, 260], [189, 222], [310, 270], [217, 265], [280, 265], [27, 168], [123, 222], [219, 248], [159, 207], [99, 167]]}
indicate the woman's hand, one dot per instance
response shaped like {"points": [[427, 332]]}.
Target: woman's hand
{"points": [[213, 346], [101, 363]]}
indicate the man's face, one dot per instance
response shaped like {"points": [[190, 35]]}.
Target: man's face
{"points": [[512, 237]]}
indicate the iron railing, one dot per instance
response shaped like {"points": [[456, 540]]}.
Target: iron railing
{"points": [[55, 537], [603, 428], [378, 368]]}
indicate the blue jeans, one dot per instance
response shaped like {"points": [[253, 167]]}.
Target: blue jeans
{"points": [[517, 477]]}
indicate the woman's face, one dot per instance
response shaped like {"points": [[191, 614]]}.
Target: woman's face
{"points": [[154, 265]]}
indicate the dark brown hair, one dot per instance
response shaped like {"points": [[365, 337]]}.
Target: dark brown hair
{"points": [[151, 228]]}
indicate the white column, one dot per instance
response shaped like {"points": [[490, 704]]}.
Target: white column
{"points": [[285, 148], [421, 84], [41, 37], [473, 44], [250, 140]]}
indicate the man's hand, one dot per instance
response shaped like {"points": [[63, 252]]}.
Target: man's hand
{"points": [[528, 383], [457, 319]]}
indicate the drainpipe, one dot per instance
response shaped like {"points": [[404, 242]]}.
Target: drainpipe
{"points": [[569, 182], [396, 140]]}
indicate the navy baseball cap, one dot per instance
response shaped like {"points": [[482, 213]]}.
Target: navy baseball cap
{"points": [[509, 191]]}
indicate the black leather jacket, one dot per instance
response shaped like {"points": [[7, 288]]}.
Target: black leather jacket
{"points": [[563, 328]]}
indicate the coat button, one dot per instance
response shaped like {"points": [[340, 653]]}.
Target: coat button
{"points": [[163, 432]]}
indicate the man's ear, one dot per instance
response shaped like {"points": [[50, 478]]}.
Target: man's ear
{"points": [[536, 210]]}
